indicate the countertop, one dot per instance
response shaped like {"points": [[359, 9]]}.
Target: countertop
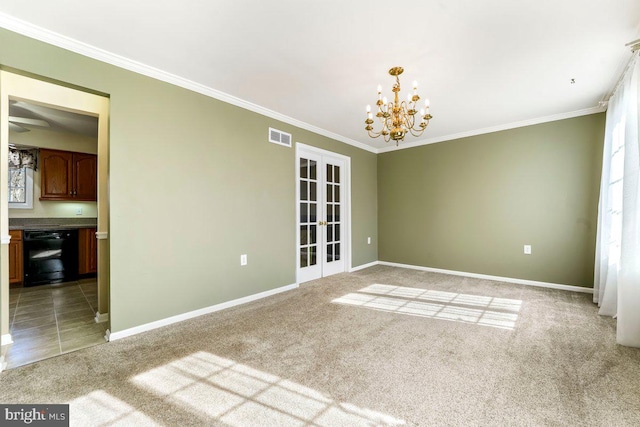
{"points": [[50, 227], [51, 223]]}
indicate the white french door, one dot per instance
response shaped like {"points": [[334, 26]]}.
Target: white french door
{"points": [[322, 229]]}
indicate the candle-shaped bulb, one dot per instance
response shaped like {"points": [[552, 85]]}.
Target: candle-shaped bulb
{"points": [[409, 98], [384, 100], [426, 103], [415, 85], [368, 108], [422, 113], [369, 115], [379, 88]]}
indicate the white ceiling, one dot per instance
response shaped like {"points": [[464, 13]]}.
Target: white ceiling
{"points": [[56, 120], [483, 64]]}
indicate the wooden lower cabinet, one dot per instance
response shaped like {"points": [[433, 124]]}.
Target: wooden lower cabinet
{"points": [[16, 262], [88, 251]]}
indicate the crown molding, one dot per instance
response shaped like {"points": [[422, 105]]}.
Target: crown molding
{"points": [[25, 28], [498, 128]]}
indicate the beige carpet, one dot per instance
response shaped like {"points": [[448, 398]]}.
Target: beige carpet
{"points": [[383, 346]]}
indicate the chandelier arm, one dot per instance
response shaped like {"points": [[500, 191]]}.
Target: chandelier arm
{"points": [[416, 132], [374, 134]]}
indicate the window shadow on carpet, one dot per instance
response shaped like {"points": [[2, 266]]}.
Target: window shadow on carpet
{"points": [[477, 309]]}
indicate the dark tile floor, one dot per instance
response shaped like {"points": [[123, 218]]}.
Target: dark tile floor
{"points": [[50, 320]]}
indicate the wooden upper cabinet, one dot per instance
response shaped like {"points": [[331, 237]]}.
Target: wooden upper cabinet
{"points": [[56, 175], [65, 175], [85, 177]]}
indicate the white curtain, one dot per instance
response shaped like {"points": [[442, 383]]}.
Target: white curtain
{"points": [[617, 267]]}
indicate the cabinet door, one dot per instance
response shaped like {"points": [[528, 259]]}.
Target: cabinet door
{"points": [[15, 257], [56, 175], [85, 177], [88, 251]]}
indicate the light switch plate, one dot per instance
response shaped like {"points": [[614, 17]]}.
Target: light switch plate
{"points": [[243, 259], [527, 249]]}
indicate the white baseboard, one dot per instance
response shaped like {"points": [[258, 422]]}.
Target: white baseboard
{"points": [[496, 278], [112, 336], [363, 266], [101, 317], [6, 339]]}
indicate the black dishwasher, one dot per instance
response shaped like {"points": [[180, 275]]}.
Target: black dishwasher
{"points": [[50, 256]]}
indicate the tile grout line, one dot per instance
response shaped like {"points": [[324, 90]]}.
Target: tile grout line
{"points": [[85, 297], [13, 320], [55, 316]]}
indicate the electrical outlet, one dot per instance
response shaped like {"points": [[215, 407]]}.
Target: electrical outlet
{"points": [[527, 249], [78, 211], [368, 240], [243, 259]]}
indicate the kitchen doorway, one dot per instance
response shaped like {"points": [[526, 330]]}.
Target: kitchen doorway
{"points": [[18, 88], [323, 231]]}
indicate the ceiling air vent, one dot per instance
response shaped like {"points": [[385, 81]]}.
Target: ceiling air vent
{"points": [[278, 137]]}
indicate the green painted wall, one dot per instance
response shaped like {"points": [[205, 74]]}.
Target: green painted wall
{"points": [[194, 184], [471, 204]]}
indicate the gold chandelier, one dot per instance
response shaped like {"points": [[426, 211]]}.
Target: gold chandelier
{"points": [[398, 118]]}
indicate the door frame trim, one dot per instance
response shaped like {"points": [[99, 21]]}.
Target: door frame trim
{"points": [[347, 160], [16, 86]]}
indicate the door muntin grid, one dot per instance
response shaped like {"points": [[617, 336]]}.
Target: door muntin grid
{"points": [[333, 200], [308, 181]]}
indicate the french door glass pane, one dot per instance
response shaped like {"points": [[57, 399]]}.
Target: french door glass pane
{"points": [[313, 235], [312, 191], [312, 169], [312, 251], [313, 215]]}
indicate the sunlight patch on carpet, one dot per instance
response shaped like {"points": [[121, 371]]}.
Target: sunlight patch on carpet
{"points": [[99, 408], [494, 312], [213, 387]]}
